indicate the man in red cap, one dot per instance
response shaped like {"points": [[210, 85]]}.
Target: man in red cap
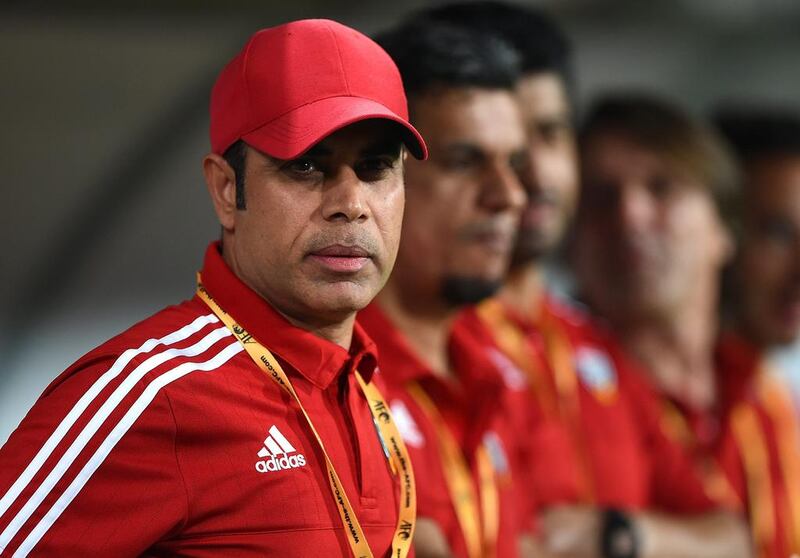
{"points": [[247, 421]]}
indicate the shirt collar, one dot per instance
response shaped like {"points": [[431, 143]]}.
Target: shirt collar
{"points": [[737, 362], [733, 348], [467, 351], [400, 360], [470, 342], [480, 387], [315, 358]]}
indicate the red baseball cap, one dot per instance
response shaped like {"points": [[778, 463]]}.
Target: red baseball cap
{"points": [[294, 84]]}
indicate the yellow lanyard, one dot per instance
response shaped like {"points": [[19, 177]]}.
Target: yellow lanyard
{"points": [[786, 424], [397, 453], [715, 482], [516, 346], [755, 459], [560, 357], [750, 439], [480, 544]]}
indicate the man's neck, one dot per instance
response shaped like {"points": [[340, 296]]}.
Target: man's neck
{"points": [[752, 334], [425, 326], [524, 288], [340, 333], [678, 351]]}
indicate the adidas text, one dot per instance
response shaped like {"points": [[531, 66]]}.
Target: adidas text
{"points": [[280, 463]]}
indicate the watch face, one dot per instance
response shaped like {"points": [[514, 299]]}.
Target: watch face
{"points": [[619, 537], [622, 542]]}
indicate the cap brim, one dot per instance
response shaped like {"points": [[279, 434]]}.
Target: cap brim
{"points": [[293, 133]]}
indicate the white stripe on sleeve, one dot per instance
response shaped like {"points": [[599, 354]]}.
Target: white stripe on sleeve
{"points": [[61, 430], [96, 422], [116, 434]]}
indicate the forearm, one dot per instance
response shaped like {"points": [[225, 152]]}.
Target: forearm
{"points": [[581, 532], [531, 547], [430, 541], [718, 534]]}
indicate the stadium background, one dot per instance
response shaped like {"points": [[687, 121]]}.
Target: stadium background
{"points": [[103, 119]]}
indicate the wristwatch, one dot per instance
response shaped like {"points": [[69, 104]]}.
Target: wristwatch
{"points": [[618, 538]]}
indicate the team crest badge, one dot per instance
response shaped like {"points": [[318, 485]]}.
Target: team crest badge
{"points": [[406, 424], [597, 373], [513, 377], [497, 455]]}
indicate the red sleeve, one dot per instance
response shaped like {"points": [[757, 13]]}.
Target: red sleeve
{"points": [[730, 460], [86, 474], [676, 485], [552, 465]]}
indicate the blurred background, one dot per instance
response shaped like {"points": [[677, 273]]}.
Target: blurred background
{"points": [[103, 124]]}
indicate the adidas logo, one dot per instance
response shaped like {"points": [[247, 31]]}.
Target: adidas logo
{"points": [[275, 453]]}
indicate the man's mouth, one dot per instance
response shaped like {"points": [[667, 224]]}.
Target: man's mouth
{"points": [[340, 258], [494, 239]]}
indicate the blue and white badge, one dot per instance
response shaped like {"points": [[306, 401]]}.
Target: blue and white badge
{"points": [[596, 372], [406, 424], [513, 378], [497, 453]]}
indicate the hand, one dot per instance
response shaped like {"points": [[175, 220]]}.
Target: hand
{"points": [[571, 531], [531, 547], [429, 540]]}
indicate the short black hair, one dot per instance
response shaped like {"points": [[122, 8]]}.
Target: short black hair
{"points": [[236, 156], [433, 54], [756, 133], [541, 44]]}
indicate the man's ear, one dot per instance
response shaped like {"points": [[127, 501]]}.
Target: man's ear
{"points": [[221, 183]]}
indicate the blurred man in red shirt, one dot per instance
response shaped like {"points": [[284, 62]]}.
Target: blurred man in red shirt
{"points": [[461, 216], [649, 246], [762, 375], [599, 459]]}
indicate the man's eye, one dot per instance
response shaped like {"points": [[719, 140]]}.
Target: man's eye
{"points": [[301, 167], [552, 132], [460, 162], [662, 186], [778, 231], [376, 164], [375, 168]]}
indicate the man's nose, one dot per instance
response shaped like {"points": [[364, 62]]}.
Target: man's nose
{"points": [[343, 196], [502, 189], [634, 208]]}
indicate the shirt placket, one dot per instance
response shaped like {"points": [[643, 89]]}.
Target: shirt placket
{"points": [[366, 442]]}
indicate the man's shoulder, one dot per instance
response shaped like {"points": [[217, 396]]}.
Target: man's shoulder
{"points": [[168, 329], [599, 355], [582, 326]]}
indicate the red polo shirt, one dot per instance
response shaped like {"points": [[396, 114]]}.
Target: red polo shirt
{"points": [[474, 409], [168, 440], [610, 450], [765, 481]]}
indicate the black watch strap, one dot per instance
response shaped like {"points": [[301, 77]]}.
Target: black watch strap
{"points": [[618, 538]]}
